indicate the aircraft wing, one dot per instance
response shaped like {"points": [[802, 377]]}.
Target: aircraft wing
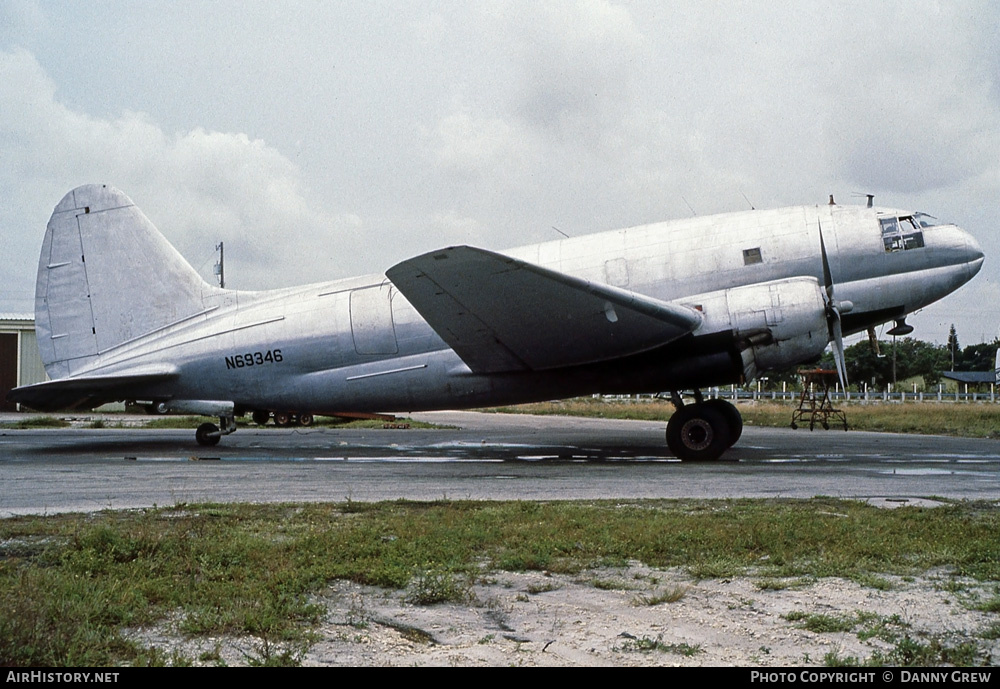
{"points": [[502, 314], [85, 392]]}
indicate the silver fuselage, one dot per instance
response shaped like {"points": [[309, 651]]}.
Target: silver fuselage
{"points": [[358, 345]]}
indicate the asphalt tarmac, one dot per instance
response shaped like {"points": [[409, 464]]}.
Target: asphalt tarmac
{"points": [[488, 456]]}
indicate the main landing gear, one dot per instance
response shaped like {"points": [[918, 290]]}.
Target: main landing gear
{"points": [[702, 431], [282, 418]]}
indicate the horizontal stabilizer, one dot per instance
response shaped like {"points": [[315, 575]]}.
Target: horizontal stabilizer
{"points": [[84, 392], [502, 314]]}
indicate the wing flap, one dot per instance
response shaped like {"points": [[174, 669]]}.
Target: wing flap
{"points": [[502, 314], [85, 392]]}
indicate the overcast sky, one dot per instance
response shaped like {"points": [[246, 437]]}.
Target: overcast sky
{"points": [[327, 139]]}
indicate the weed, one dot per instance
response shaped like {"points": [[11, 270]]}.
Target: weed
{"points": [[646, 644], [742, 603], [834, 659], [270, 655], [911, 652], [873, 581], [357, 614], [990, 632], [611, 585], [878, 627], [431, 587], [670, 595], [215, 655], [773, 584], [542, 587], [989, 605], [822, 624]]}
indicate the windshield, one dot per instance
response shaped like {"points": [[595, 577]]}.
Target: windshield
{"points": [[904, 233]]}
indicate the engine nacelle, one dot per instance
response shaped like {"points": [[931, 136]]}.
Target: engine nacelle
{"points": [[774, 324]]}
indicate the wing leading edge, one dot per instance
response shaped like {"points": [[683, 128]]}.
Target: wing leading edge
{"points": [[502, 314]]}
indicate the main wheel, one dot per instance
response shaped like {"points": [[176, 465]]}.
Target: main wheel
{"points": [[698, 433], [282, 418], [305, 419], [732, 416], [260, 417], [203, 437]]}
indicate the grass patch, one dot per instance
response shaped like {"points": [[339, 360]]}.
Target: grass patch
{"points": [[989, 605], [647, 644], [990, 632], [973, 420], [611, 585], [822, 624], [905, 648], [39, 422], [69, 584], [873, 581]]}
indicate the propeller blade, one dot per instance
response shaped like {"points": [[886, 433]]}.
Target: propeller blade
{"points": [[833, 314], [838, 348]]}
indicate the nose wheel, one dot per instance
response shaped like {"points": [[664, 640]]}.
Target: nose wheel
{"points": [[702, 431]]}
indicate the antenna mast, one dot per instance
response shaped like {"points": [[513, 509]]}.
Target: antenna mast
{"points": [[220, 267]]}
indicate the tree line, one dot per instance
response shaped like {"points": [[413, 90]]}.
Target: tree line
{"points": [[905, 358]]}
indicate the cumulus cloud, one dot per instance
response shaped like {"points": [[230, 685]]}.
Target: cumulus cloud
{"points": [[199, 186]]}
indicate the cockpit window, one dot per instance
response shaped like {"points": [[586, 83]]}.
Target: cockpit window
{"points": [[925, 220], [904, 233]]}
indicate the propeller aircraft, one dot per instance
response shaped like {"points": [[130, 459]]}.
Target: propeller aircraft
{"points": [[673, 306]]}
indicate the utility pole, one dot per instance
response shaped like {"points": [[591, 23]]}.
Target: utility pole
{"points": [[893, 362], [220, 267]]}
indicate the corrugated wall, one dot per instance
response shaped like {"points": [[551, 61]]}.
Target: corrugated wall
{"points": [[32, 370]]}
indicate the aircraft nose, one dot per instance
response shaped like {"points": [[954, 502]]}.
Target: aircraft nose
{"points": [[974, 255]]}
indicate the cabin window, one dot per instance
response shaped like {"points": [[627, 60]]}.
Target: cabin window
{"points": [[901, 234], [751, 256]]}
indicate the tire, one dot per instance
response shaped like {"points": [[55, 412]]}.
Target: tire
{"points": [[282, 418], [732, 417], [157, 408], [698, 433], [203, 437], [305, 419], [260, 417]]}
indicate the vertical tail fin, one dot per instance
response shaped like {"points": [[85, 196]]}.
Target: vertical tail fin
{"points": [[106, 276]]}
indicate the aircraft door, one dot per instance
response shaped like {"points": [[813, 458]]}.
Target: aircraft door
{"points": [[371, 320]]}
